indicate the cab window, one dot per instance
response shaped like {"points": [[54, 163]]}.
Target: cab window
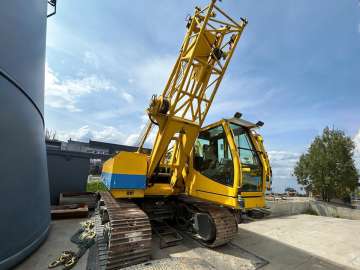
{"points": [[249, 158], [212, 156]]}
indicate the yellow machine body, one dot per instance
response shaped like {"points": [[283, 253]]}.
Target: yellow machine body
{"points": [[229, 187], [225, 162], [125, 175]]}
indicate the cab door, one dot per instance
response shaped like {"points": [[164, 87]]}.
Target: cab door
{"points": [[251, 185], [214, 176]]}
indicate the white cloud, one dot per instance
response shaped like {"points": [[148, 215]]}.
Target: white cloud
{"points": [[133, 138], [129, 98], [282, 164], [242, 94], [91, 58], [106, 134], [64, 93], [357, 141], [85, 133], [151, 138], [151, 75], [144, 118]]}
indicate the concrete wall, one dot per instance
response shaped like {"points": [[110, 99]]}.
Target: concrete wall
{"points": [[287, 208], [296, 207], [330, 210]]}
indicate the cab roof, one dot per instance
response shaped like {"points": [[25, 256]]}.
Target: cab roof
{"points": [[242, 122], [234, 120]]}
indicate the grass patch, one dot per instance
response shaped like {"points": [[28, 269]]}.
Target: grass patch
{"points": [[95, 186]]}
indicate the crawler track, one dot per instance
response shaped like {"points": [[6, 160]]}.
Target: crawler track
{"points": [[225, 224], [223, 220], [128, 233]]}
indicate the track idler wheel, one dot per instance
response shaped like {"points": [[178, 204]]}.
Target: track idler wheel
{"points": [[204, 227]]}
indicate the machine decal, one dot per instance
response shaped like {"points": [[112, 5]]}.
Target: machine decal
{"points": [[123, 181]]}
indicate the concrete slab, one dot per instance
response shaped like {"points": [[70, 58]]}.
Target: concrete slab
{"points": [[57, 241], [229, 256], [295, 242], [304, 242]]}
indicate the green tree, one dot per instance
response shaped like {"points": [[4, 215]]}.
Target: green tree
{"points": [[328, 168]]}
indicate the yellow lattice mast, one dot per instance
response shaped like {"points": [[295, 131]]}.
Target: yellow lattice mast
{"points": [[180, 110]]}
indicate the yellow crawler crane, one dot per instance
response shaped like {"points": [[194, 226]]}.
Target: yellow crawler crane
{"points": [[202, 179]]}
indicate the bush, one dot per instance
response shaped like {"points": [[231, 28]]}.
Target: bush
{"points": [[95, 186], [310, 211]]}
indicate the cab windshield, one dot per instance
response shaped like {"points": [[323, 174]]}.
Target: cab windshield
{"points": [[249, 158]]}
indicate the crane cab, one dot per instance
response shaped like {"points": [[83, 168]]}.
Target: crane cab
{"points": [[230, 165]]}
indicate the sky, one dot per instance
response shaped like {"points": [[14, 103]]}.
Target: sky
{"points": [[296, 68]]}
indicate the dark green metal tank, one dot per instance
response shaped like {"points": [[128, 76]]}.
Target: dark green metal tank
{"points": [[24, 200]]}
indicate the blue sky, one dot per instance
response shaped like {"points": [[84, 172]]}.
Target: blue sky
{"points": [[296, 68]]}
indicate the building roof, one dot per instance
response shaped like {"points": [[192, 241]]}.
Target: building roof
{"points": [[114, 147], [70, 141], [53, 142]]}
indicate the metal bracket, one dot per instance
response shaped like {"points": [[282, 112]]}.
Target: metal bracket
{"points": [[167, 234], [52, 3]]}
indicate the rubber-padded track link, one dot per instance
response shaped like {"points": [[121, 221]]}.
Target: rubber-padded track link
{"points": [[225, 223], [130, 233]]}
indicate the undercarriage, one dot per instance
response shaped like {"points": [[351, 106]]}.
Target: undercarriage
{"points": [[128, 225]]}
